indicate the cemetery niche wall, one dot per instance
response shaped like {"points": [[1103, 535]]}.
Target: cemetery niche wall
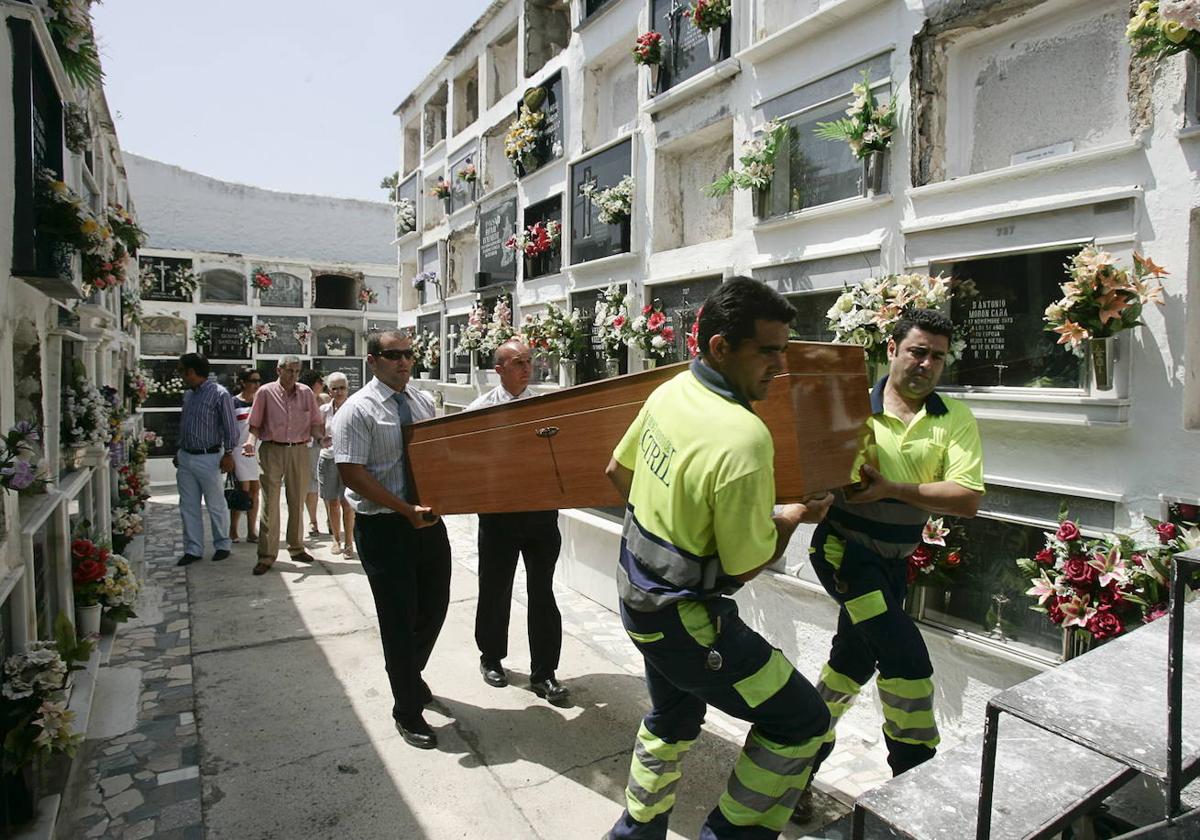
{"points": [[592, 238], [227, 336], [591, 364], [497, 222], [286, 290], [163, 335]]}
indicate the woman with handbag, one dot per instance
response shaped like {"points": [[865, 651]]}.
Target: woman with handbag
{"points": [[245, 469], [331, 488]]}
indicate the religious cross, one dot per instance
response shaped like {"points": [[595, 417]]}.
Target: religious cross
{"points": [[587, 202]]}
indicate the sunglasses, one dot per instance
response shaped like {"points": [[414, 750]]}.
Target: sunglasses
{"points": [[393, 354]]}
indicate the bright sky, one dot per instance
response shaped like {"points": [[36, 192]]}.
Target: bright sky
{"points": [[293, 95]]}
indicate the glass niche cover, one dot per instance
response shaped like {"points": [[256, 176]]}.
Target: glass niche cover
{"points": [[601, 204], [1007, 343]]}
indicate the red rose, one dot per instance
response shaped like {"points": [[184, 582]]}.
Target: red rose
{"points": [[619, 321], [1078, 571], [1105, 625], [81, 549], [1155, 612], [647, 309], [1054, 611], [102, 555], [1166, 531], [1068, 531], [1188, 513], [88, 571], [668, 333], [920, 556], [1045, 557], [1111, 597], [953, 558]]}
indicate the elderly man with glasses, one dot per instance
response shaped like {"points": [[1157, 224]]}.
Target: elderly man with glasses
{"points": [[403, 546], [284, 418]]}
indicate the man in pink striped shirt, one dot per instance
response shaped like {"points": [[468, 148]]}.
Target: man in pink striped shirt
{"points": [[284, 419]]}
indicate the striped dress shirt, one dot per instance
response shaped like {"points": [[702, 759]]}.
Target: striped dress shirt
{"points": [[366, 430], [207, 419]]}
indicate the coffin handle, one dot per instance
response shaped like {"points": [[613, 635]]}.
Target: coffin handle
{"points": [[546, 431]]}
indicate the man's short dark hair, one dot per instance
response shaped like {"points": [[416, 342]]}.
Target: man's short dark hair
{"points": [[375, 340], [310, 377], [194, 362], [732, 309], [929, 320], [245, 373]]}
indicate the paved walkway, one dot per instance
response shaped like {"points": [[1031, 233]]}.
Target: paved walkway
{"points": [[262, 711]]}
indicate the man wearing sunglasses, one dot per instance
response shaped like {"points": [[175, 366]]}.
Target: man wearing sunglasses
{"points": [[403, 546]]}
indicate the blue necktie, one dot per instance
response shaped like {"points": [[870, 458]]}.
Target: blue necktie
{"points": [[406, 419]]}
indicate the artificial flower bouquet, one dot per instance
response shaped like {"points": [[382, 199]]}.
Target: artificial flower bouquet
{"points": [[34, 720], [1104, 586], [938, 556], [537, 239], [756, 163], [708, 15], [16, 464], [866, 314], [119, 589], [648, 48], [302, 333], [201, 334], [563, 332], [522, 143], [422, 278], [499, 326], [467, 173], [89, 565], [367, 295], [611, 324], [262, 332], [1161, 28], [652, 332], [615, 204], [1101, 299], [867, 127], [260, 280], [471, 336], [85, 415], [441, 189]]}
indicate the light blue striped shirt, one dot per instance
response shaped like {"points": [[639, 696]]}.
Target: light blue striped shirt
{"points": [[207, 419], [366, 430]]}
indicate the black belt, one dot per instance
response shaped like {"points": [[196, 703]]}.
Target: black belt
{"points": [[212, 450], [281, 443]]}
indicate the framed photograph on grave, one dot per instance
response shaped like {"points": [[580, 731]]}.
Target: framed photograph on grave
{"points": [[548, 97], [591, 365], [164, 335], [463, 174], [497, 222], [168, 385], [1007, 344], [685, 48], [353, 368], [680, 302], [226, 336], [165, 424], [286, 289], [591, 238], [550, 260], [160, 278]]}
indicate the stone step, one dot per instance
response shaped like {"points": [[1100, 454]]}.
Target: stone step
{"points": [[1042, 783]]}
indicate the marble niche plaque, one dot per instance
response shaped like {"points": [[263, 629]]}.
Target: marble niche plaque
{"points": [[164, 336]]}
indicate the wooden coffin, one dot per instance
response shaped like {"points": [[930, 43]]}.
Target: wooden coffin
{"points": [[550, 451]]}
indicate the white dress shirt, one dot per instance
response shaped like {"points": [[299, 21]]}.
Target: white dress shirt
{"points": [[498, 396]]}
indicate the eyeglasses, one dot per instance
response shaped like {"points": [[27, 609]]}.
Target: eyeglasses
{"points": [[393, 354]]}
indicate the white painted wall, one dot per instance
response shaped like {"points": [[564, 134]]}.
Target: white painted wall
{"points": [[1131, 447]]}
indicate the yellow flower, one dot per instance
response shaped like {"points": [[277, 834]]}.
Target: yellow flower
{"points": [[1174, 32]]}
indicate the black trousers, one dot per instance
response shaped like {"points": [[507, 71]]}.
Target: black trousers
{"points": [[409, 572], [535, 537]]}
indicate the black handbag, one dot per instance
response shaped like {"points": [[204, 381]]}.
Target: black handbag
{"points": [[236, 497]]}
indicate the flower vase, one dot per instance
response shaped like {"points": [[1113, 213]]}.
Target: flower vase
{"points": [[445, 208], [762, 202], [1075, 643], [18, 799], [462, 379], [612, 367], [1103, 353], [649, 363], [87, 620], [566, 373], [873, 165], [424, 374], [653, 76], [714, 43]]}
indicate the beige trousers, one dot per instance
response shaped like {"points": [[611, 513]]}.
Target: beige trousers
{"points": [[287, 466]]}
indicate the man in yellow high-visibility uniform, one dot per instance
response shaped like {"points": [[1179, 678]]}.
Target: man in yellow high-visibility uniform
{"points": [[925, 457], [697, 470]]}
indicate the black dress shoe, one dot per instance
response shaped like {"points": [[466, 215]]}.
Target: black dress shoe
{"points": [[552, 690], [493, 674], [186, 560], [220, 554], [417, 733]]}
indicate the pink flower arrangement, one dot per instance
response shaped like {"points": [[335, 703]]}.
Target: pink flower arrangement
{"points": [[652, 332], [930, 561], [1101, 299], [1104, 586], [441, 189]]}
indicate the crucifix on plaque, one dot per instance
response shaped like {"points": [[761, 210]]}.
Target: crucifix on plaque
{"points": [[587, 201]]}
